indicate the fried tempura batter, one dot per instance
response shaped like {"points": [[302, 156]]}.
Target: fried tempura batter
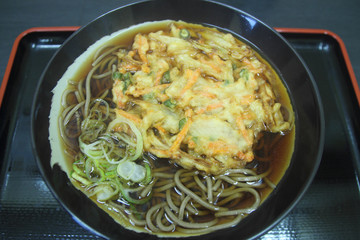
{"points": [[200, 98]]}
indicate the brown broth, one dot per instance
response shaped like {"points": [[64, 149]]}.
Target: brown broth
{"points": [[278, 159]]}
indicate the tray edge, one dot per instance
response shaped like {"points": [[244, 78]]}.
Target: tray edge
{"points": [[342, 46], [75, 28], [15, 47]]}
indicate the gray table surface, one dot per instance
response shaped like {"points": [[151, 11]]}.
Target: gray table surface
{"points": [[339, 16]]}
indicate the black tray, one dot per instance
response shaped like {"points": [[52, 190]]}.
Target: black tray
{"points": [[330, 208]]}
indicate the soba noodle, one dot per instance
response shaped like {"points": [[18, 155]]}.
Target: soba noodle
{"points": [[158, 196]]}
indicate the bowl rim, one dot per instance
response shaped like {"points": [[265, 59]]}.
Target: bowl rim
{"points": [[321, 141]]}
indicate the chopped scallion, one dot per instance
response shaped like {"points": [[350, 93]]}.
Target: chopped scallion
{"points": [[127, 76], [195, 139], [170, 103], [234, 66], [148, 177], [125, 194], [182, 123], [149, 96], [127, 83], [165, 78], [80, 179], [244, 73], [116, 76], [184, 34], [226, 82], [131, 171]]}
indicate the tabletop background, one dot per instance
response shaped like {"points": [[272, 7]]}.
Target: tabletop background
{"points": [[339, 16]]}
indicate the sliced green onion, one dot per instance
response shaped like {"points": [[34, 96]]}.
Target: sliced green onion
{"points": [[78, 170], [182, 123], [135, 130], [92, 150], [139, 173], [226, 82], [131, 171], [105, 193], [92, 168], [104, 165], [125, 193], [135, 212], [91, 127], [94, 153], [127, 76], [149, 96], [244, 73], [81, 179], [106, 190], [148, 177], [126, 169], [165, 78], [234, 66], [127, 83], [170, 103], [107, 153], [117, 76], [111, 174], [184, 34]]}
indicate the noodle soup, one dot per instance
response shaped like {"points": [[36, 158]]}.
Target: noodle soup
{"points": [[173, 129]]}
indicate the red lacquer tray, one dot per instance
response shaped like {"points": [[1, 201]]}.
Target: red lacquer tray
{"points": [[330, 209]]}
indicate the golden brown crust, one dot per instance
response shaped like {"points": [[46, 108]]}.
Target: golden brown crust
{"points": [[203, 100]]}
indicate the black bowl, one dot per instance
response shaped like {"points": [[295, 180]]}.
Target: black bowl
{"points": [[304, 95]]}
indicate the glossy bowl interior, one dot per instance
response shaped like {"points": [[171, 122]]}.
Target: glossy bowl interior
{"points": [[297, 78]]}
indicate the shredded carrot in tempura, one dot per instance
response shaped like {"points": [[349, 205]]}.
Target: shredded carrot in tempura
{"points": [[201, 99], [141, 92], [191, 77], [127, 115], [182, 134], [243, 130]]}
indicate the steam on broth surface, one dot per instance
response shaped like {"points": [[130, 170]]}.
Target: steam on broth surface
{"points": [[173, 129]]}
